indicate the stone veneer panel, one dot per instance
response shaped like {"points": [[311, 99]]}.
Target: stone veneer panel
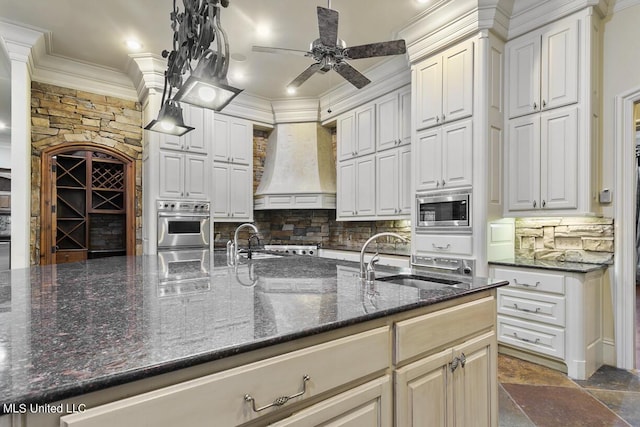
{"points": [[313, 226], [578, 239], [61, 115]]}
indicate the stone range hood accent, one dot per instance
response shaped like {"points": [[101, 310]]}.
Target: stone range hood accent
{"points": [[299, 170]]}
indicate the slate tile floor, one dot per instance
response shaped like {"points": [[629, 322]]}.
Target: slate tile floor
{"points": [[532, 395]]}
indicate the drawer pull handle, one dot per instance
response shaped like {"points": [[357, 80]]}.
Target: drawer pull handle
{"points": [[280, 400], [536, 341], [537, 310], [527, 285], [441, 248], [463, 359]]}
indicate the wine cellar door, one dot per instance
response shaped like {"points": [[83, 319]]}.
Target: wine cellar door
{"points": [[88, 205]]}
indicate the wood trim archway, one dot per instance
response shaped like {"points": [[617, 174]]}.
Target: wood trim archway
{"points": [[47, 186]]}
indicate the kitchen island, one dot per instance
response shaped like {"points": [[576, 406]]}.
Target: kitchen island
{"points": [[187, 340]]}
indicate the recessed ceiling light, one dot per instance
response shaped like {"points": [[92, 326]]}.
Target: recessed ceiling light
{"points": [[263, 30], [133, 44], [291, 90]]}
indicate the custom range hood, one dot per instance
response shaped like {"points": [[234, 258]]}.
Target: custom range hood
{"points": [[299, 170]]}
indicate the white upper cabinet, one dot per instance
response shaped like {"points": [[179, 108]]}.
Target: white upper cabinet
{"points": [[444, 157], [194, 141], [543, 161], [232, 140], [232, 193], [393, 119], [183, 176], [543, 69], [356, 187], [445, 86], [393, 175], [357, 132]]}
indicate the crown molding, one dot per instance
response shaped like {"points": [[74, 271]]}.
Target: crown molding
{"points": [[623, 4], [543, 12], [295, 110], [251, 107], [21, 42], [146, 71]]}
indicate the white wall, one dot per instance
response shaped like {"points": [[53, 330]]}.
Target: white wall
{"points": [[621, 73]]}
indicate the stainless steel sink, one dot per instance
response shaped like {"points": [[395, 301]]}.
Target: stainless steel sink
{"points": [[424, 282]]}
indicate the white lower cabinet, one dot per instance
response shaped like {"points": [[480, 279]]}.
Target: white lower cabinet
{"points": [[369, 405], [450, 388], [456, 386], [554, 316], [232, 194]]}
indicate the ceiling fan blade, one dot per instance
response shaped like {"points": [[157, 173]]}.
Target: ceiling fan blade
{"points": [[328, 26], [304, 76], [266, 49], [352, 75], [394, 47]]}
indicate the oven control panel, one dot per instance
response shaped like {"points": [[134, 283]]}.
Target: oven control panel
{"points": [[183, 206], [459, 266]]}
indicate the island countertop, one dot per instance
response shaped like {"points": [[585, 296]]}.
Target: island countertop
{"points": [[70, 329]]}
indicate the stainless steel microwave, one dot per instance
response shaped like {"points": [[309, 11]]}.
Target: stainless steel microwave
{"points": [[444, 211]]}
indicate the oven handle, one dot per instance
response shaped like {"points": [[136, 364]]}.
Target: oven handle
{"points": [[190, 215]]}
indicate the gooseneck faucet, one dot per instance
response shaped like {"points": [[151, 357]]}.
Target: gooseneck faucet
{"points": [[236, 251], [370, 269]]}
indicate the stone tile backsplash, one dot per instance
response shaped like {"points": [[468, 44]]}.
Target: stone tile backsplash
{"points": [[579, 239]]}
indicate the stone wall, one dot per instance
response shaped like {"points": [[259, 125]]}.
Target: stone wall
{"points": [[61, 116], [301, 226], [579, 239]]}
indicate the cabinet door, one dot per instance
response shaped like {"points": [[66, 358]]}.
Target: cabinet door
{"points": [[240, 141], [559, 67], [524, 75], [429, 92], [457, 154], [366, 130], [523, 170], [474, 382], [220, 206], [387, 182], [457, 82], [428, 165], [424, 393], [240, 191], [367, 405], [171, 174], [387, 121], [559, 159], [172, 142], [404, 116], [195, 140], [196, 183], [365, 186], [221, 139], [346, 197], [406, 196], [346, 136]]}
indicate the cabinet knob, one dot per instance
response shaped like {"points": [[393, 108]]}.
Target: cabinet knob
{"points": [[535, 106], [544, 103], [443, 183], [187, 194], [544, 203], [437, 183], [232, 159], [534, 204], [443, 117]]}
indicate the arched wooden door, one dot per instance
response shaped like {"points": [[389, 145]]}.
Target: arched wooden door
{"points": [[87, 203]]}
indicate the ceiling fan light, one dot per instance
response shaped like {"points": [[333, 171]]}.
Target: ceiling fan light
{"points": [[291, 90], [169, 120]]}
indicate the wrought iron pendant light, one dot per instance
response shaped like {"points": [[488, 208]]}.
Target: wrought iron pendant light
{"points": [[194, 29]]}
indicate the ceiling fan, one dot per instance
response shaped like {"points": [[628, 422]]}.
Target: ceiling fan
{"points": [[330, 52]]}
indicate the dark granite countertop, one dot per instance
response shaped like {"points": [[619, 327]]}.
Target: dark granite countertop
{"points": [[70, 329], [572, 267]]}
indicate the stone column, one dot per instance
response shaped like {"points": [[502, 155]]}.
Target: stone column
{"points": [[19, 43]]}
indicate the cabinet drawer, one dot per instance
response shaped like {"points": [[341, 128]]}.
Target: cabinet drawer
{"points": [[431, 331], [531, 336], [367, 405], [534, 306], [444, 244], [542, 282], [221, 396]]}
